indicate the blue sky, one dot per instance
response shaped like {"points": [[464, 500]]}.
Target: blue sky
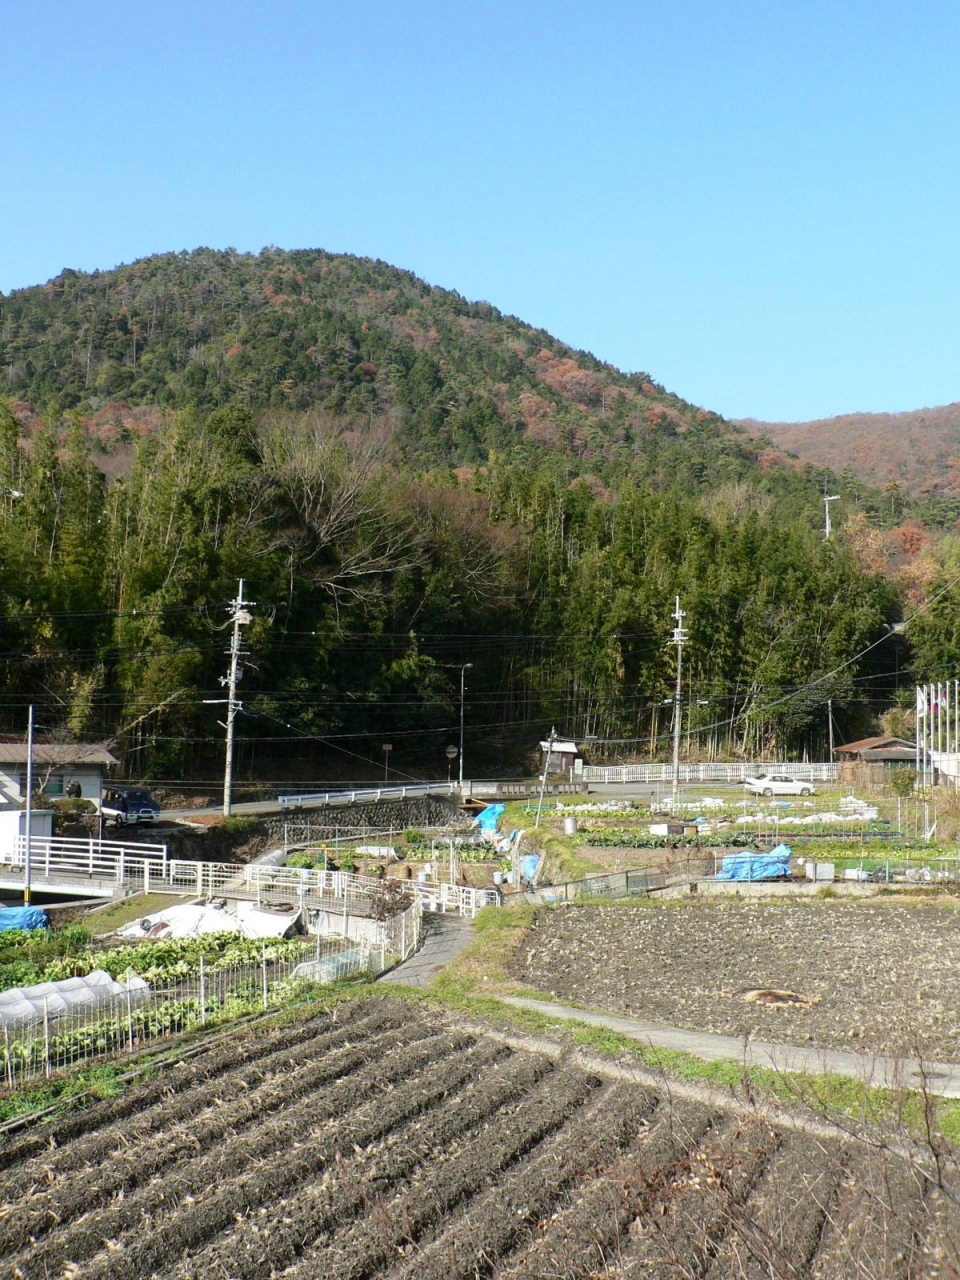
{"points": [[755, 202]]}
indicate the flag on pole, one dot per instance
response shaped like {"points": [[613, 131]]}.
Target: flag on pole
{"points": [[921, 702]]}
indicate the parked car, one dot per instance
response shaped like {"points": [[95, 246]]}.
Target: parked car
{"points": [[777, 784], [128, 806]]}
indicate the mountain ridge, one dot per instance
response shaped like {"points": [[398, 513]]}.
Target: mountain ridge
{"points": [[453, 382], [917, 451]]}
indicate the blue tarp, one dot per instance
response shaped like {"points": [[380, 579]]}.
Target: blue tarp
{"points": [[488, 818], [756, 866], [528, 866], [22, 918]]}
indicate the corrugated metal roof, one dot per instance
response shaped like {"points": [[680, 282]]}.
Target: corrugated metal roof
{"points": [[58, 753], [872, 744]]}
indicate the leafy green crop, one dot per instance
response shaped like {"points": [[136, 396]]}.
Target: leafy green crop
{"points": [[158, 963]]}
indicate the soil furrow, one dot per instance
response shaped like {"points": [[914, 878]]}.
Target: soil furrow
{"points": [[681, 1229], [184, 1210], [473, 1241], [875, 1223], [82, 1138], [452, 1178], [938, 1254], [583, 1237], [263, 1242], [134, 1165], [248, 1044], [122, 1154], [777, 1231]]}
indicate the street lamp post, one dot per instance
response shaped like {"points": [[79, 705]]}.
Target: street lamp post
{"points": [[465, 667]]}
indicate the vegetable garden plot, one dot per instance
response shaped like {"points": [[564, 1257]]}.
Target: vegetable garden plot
{"points": [[386, 1143], [210, 990]]}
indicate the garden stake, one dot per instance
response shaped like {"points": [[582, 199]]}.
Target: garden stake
{"points": [[46, 1037]]}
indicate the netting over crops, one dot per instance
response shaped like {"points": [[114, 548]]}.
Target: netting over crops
{"points": [[22, 1005]]}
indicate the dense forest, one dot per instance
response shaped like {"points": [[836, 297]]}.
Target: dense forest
{"points": [[407, 482]]}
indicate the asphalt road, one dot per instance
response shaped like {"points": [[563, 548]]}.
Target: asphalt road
{"points": [[598, 791]]}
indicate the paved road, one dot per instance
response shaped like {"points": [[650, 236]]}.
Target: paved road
{"points": [[446, 937], [876, 1071], [598, 791], [248, 808]]}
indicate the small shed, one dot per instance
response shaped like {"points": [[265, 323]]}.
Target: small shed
{"points": [[59, 768], [873, 759], [563, 757], [13, 824]]}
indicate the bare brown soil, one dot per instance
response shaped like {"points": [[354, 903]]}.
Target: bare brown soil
{"points": [[865, 976], [387, 1142]]}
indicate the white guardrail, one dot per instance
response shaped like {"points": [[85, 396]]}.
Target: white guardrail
{"points": [[65, 861], [368, 795], [707, 772]]}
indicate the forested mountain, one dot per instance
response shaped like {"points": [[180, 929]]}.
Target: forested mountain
{"points": [[407, 482], [904, 454], [447, 381]]}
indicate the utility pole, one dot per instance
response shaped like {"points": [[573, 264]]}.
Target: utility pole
{"points": [[29, 814], [830, 726], [827, 528], [546, 769], [678, 638], [464, 668], [240, 617]]}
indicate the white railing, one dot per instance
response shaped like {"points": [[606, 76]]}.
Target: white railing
{"points": [[63, 862], [707, 772], [367, 795]]}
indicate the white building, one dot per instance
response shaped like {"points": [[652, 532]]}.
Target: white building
{"points": [[58, 768]]}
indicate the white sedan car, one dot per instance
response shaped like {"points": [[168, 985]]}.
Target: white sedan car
{"points": [[777, 784]]}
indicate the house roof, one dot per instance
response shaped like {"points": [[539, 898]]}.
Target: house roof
{"points": [[884, 742], [57, 753]]}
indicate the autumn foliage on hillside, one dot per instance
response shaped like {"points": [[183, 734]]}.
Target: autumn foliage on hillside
{"points": [[919, 451]]}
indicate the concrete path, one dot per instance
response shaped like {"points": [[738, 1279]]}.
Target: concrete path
{"points": [[446, 937], [875, 1071]]}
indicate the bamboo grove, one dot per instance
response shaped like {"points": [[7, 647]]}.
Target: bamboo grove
{"points": [[374, 585]]}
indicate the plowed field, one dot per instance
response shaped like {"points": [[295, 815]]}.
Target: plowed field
{"points": [[880, 976], [383, 1141]]}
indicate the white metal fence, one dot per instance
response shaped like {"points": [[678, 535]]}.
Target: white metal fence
{"points": [[367, 795], [211, 994], [60, 862], [707, 772]]}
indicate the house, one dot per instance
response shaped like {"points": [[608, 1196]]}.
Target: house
{"points": [[58, 769], [564, 757], [873, 759]]}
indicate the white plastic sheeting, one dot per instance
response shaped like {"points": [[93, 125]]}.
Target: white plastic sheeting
{"points": [[71, 995], [191, 920]]}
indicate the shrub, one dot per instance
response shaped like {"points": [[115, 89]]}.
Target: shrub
{"points": [[902, 782]]}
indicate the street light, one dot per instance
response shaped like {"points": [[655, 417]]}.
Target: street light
{"points": [[465, 667]]}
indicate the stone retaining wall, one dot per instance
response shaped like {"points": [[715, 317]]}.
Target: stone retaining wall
{"points": [[298, 826]]}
